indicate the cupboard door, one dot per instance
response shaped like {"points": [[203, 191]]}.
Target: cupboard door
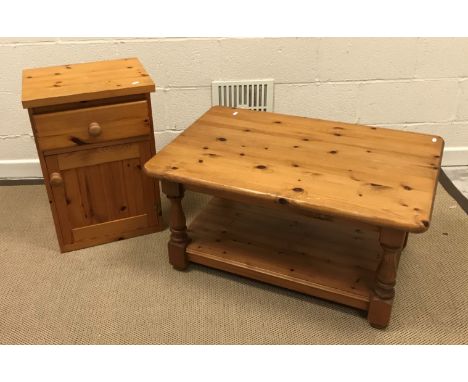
{"points": [[102, 194]]}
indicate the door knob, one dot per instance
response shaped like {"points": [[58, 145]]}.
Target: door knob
{"points": [[56, 179], [94, 129]]}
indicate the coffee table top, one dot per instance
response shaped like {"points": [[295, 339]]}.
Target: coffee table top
{"points": [[379, 176]]}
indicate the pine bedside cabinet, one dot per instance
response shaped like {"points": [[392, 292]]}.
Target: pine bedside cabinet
{"points": [[93, 128], [319, 207]]}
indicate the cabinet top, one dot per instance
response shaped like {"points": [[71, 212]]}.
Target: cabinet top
{"points": [[55, 85]]}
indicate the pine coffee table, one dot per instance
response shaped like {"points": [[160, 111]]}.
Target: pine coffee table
{"points": [[319, 207]]}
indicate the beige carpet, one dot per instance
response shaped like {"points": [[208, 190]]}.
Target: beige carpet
{"points": [[127, 293]]}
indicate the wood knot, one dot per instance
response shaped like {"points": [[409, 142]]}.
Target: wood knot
{"points": [[377, 185], [282, 201], [261, 167], [333, 152], [78, 141], [298, 189], [221, 139]]}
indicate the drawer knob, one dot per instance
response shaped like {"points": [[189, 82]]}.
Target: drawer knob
{"points": [[56, 179], [94, 129]]}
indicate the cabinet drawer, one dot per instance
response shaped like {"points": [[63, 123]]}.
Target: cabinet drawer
{"points": [[91, 125]]}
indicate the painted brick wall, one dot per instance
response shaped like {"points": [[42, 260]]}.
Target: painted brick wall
{"points": [[418, 84]]}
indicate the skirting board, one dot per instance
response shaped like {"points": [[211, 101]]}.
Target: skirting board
{"points": [[453, 190], [455, 156], [20, 168], [30, 168]]}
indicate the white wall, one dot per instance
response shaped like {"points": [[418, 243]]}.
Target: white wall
{"points": [[418, 84]]}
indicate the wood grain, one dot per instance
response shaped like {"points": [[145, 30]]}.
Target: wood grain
{"points": [[60, 201], [179, 239], [85, 158], [378, 176], [116, 236], [72, 128], [83, 82], [320, 258], [381, 301], [110, 228]]}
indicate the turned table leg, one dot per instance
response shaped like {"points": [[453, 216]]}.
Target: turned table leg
{"points": [[380, 306], [179, 238]]}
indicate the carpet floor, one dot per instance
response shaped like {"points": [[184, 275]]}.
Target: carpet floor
{"points": [[127, 293]]}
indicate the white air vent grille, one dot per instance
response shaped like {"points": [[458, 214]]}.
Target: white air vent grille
{"points": [[249, 94]]}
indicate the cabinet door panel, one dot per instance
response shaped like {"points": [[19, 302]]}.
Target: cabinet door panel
{"points": [[112, 227], [114, 190], [76, 200], [94, 193], [133, 185], [103, 192]]}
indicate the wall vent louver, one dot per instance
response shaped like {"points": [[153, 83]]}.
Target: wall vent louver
{"points": [[247, 94]]}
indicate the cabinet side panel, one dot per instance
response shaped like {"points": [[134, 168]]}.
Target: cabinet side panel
{"points": [[149, 183], [45, 173], [156, 191]]}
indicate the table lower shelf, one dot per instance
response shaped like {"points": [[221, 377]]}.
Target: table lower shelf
{"points": [[318, 257]]}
